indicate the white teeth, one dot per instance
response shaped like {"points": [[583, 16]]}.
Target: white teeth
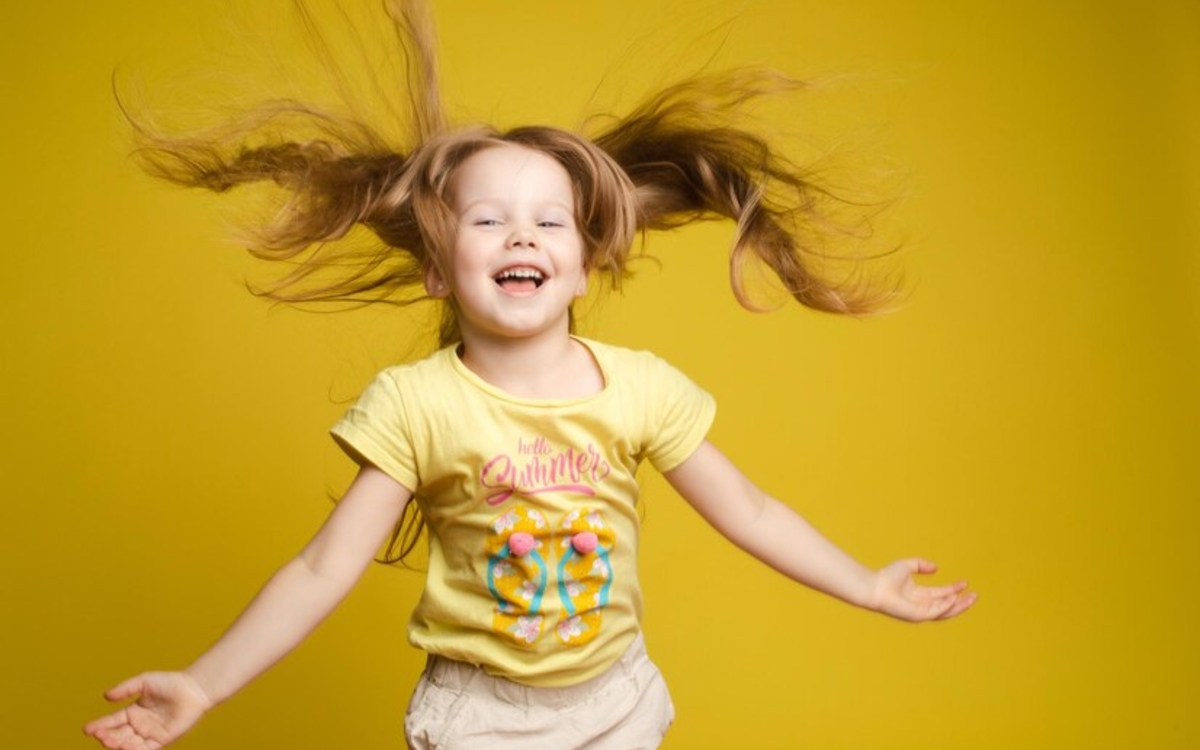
{"points": [[520, 273]]}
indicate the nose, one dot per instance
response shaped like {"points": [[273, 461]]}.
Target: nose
{"points": [[521, 237]]}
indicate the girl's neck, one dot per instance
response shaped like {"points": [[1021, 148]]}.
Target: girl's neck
{"points": [[540, 367]]}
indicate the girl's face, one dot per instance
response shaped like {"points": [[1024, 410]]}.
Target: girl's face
{"points": [[517, 261]]}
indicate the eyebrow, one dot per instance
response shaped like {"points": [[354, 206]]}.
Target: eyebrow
{"points": [[570, 208]]}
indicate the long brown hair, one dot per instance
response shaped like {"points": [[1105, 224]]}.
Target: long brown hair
{"points": [[683, 155]]}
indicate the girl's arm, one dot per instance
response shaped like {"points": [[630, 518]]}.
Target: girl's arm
{"points": [[296, 599], [776, 535]]}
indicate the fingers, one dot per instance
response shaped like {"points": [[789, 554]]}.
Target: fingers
{"points": [[104, 723], [961, 604], [112, 731], [950, 590], [130, 688], [125, 737], [921, 566], [946, 606], [115, 730], [906, 569]]}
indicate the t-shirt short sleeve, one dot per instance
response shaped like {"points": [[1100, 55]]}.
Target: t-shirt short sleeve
{"points": [[679, 415], [376, 430]]}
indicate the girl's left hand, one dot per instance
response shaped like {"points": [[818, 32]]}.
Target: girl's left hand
{"points": [[897, 593], [167, 705]]}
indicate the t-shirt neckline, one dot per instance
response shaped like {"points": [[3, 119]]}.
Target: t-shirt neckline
{"points": [[496, 392]]}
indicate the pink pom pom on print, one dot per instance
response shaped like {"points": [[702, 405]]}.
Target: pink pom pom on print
{"points": [[520, 543], [585, 542]]}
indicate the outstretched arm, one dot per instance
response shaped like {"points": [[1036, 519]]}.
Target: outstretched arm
{"points": [[776, 535], [289, 607]]}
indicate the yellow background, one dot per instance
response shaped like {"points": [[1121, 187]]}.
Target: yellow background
{"points": [[1030, 419]]}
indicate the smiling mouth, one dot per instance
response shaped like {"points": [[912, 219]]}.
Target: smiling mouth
{"points": [[521, 279]]}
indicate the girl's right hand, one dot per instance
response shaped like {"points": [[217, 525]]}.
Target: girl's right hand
{"points": [[167, 705]]}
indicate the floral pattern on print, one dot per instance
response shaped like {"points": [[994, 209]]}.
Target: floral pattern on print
{"points": [[574, 588], [505, 522], [527, 629], [571, 628], [527, 590]]}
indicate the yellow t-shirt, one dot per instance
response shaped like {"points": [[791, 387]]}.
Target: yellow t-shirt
{"points": [[530, 504]]}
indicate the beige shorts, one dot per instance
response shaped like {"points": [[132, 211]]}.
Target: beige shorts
{"points": [[457, 706]]}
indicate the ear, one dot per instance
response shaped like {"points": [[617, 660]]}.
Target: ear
{"points": [[435, 285], [582, 287]]}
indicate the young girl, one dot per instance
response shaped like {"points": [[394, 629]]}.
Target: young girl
{"points": [[516, 445]]}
